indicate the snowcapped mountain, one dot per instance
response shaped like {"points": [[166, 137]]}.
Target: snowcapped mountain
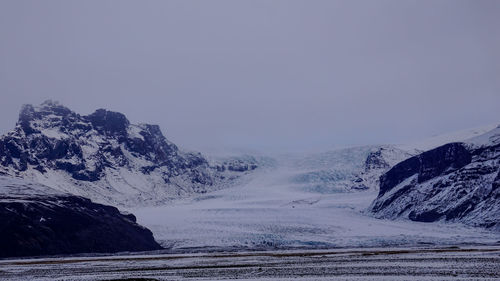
{"points": [[454, 182], [38, 220], [310, 199], [103, 157]]}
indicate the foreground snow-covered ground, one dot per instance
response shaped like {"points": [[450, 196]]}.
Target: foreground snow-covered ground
{"points": [[410, 263], [277, 208]]}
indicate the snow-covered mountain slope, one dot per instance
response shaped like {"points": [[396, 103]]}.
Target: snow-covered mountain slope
{"points": [[438, 140], [455, 182], [103, 157], [38, 220]]}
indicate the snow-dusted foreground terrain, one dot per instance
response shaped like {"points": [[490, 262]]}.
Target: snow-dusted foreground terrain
{"points": [[414, 263], [276, 208]]}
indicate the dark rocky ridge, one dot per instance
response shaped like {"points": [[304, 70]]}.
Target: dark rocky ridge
{"points": [[441, 160], [37, 222], [456, 182]]}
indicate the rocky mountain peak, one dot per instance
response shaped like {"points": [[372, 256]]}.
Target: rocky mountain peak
{"points": [[52, 143], [47, 108], [109, 122], [49, 114], [51, 132]]}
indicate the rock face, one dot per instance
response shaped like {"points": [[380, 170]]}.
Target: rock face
{"points": [[103, 157], [456, 182], [430, 164], [37, 220], [378, 161]]}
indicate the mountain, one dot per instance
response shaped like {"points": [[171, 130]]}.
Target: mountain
{"points": [[103, 157], [38, 220], [457, 182], [360, 168]]}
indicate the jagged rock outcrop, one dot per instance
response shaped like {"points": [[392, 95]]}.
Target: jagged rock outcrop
{"points": [[456, 182], [103, 157], [378, 161], [37, 220]]}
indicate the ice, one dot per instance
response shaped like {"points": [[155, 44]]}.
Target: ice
{"points": [[290, 200], [305, 200], [273, 209]]}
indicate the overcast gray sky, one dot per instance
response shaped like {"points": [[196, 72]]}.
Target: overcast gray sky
{"points": [[259, 74]]}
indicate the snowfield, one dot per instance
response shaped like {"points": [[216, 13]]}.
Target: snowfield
{"points": [[277, 209]]}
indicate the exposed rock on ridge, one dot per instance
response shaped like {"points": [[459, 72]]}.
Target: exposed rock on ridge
{"points": [[104, 157], [456, 182]]}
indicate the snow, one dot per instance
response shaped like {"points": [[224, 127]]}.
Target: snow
{"points": [[456, 136], [20, 188], [305, 201], [291, 200], [54, 133], [272, 209], [134, 131], [490, 137]]}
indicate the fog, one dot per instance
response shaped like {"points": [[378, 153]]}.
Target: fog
{"points": [[265, 75]]}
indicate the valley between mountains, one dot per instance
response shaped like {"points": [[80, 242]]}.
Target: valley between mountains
{"points": [[439, 191]]}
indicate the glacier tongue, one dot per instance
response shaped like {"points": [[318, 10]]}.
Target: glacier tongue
{"points": [[274, 210], [306, 201]]}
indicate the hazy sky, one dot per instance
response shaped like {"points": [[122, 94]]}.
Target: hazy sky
{"points": [[259, 74]]}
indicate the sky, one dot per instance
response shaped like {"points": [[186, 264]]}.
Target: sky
{"points": [[264, 75]]}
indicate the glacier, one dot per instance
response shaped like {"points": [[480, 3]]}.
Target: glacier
{"points": [[302, 201], [191, 200]]}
